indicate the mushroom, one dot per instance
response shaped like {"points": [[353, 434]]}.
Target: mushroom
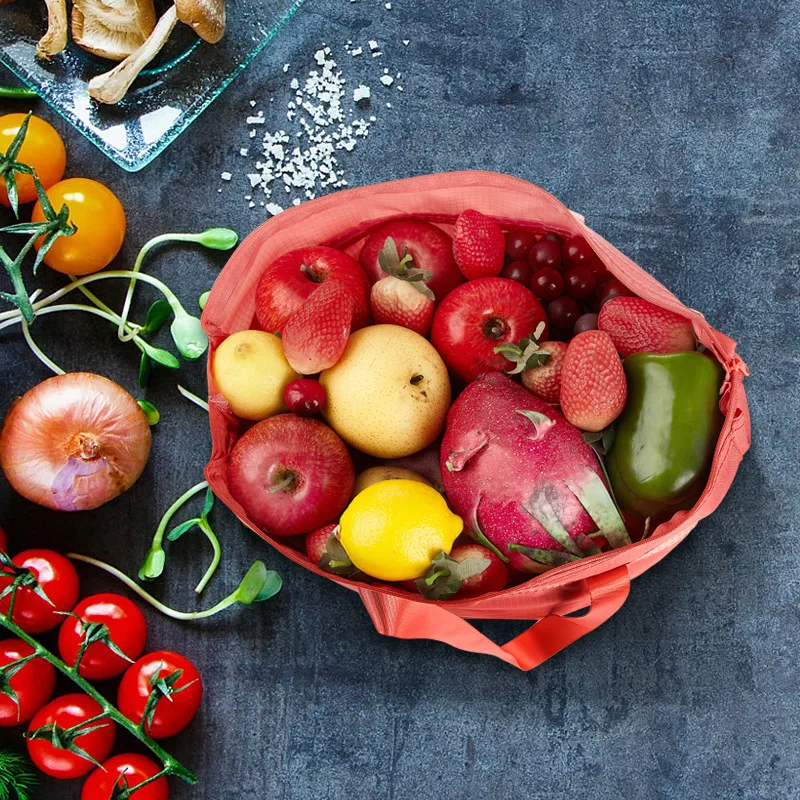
{"points": [[111, 86], [55, 39], [205, 17], [112, 28]]}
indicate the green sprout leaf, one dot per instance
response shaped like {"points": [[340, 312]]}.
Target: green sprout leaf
{"points": [[153, 564], [218, 238], [145, 370], [189, 336], [163, 357], [258, 584], [150, 412], [157, 315]]}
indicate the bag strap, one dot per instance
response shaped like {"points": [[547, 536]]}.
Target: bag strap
{"points": [[408, 618]]}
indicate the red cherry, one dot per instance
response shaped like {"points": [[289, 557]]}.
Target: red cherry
{"points": [[585, 322], [576, 252], [554, 237], [518, 244], [545, 253], [563, 312], [305, 397], [579, 282], [609, 288], [547, 284], [518, 271], [599, 269]]}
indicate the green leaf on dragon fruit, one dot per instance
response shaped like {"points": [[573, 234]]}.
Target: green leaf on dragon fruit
{"points": [[552, 558], [595, 498], [336, 560], [446, 575], [480, 537], [541, 423], [541, 509], [601, 441]]}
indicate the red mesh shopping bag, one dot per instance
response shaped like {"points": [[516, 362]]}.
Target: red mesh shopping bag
{"points": [[599, 582]]}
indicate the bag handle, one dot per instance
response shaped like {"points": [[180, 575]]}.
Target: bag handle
{"points": [[405, 618]]}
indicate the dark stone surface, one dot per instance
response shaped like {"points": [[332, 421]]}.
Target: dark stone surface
{"points": [[672, 127]]}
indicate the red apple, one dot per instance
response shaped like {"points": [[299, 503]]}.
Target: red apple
{"points": [[291, 475], [479, 316], [493, 578], [287, 282], [430, 247]]}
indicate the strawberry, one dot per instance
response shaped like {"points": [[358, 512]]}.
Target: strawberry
{"points": [[637, 326], [479, 245], [544, 380], [402, 297], [315, 336], [593, 385]]}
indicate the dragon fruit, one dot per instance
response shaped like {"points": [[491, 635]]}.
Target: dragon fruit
{"points": [[523, 478]]}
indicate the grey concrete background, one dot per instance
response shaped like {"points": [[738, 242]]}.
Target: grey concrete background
{"points": [[672, 127]]}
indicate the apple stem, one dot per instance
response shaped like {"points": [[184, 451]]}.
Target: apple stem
{"points": [[287, 483]]}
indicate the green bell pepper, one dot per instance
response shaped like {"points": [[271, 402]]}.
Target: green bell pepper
{"points": [[665, 437]]}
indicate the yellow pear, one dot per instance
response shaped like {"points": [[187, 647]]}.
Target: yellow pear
{"points": [[389, 393]]}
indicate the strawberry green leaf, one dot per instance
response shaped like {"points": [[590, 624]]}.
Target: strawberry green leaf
{"points": [[447, 575]]}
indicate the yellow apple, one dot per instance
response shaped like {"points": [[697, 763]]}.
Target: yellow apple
{"points": [[251, 371], [389, 393]]}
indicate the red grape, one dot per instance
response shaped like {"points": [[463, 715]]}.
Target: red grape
{"points": [[609, 288], [545, 253], [563, 313], [577, 252], [579, 281], [585, 322], [519, 271], [547, 283], [519, 243]]}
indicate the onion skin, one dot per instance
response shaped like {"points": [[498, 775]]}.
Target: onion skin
{"points": [[74, 442]]}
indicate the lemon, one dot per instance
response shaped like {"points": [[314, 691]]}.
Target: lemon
{"points": [[251, 372], [394, 528]]}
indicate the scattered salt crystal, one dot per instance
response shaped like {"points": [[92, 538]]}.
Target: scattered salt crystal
{"points": [[361, 93], [399, 88], [305, 161], [406, 42], [252, 104], [226, 176], [388, 6], [251, 204], [243, 151]]}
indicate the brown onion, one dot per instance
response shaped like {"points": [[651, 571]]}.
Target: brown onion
{"points": [[74, 442]]}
